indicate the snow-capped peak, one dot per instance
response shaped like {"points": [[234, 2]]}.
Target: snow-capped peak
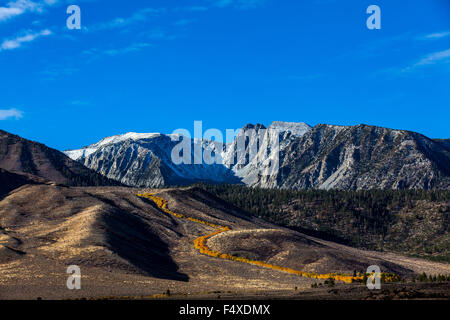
{"points": [[86, 151], [123, 137], [296, 128]]}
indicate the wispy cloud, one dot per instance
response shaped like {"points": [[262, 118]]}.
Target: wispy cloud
{"points": [[18, 7], [57, 72], [7, 13], [17, 42], [95, 53], [439, 57], [10, 113], [437, 35], [433, 58], [139, 16], [384, 45], [241, 4], [131, 48]]}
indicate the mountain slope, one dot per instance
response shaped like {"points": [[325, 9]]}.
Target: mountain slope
{"points": [[21, 155], [10, 181], [362, 157], [445, 143], [144, 160], [414, 222]]}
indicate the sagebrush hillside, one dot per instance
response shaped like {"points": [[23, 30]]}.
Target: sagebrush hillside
{"points": [[127, 245]]}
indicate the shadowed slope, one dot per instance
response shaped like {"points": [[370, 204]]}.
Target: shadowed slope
{"points": [[79, 226], [18, 154], [10, 181]]}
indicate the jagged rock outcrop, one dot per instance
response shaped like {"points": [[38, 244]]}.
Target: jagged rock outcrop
{"points": [[362, 157]]}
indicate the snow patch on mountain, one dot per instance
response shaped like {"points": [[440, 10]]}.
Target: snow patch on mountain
{"points": [[116, 139], [296, 128]]}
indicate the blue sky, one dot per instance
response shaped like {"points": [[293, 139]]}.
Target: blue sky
{"points": [[155, 66]]}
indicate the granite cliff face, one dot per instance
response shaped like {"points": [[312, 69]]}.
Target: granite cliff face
{"points": [[144, 160], [362, 157]]}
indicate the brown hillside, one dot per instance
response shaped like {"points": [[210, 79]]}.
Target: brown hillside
{"points": [[21, 155], [126, 245]]}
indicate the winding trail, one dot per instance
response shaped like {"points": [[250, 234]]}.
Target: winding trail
{"points": [[201, 245]]}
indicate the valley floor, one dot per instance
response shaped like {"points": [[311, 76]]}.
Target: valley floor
{"points": [[127, 247]]}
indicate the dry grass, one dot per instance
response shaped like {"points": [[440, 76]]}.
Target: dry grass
{"points": [[126, 246]]}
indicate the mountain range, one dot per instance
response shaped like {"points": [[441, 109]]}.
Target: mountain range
{"points": [[322, 157]]}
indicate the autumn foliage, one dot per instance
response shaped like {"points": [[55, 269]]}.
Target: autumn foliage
{"points": [[201, 245]]}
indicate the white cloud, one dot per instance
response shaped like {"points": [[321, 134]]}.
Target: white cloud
{"points": [[26, 5], [17, 42], [10, 113], [437, 35], [7, 13], [441, 57], [141, 15], [18, 7], [435, 57]]}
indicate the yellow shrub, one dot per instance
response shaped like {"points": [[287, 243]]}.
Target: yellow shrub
{"points": [[201, 246]]}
